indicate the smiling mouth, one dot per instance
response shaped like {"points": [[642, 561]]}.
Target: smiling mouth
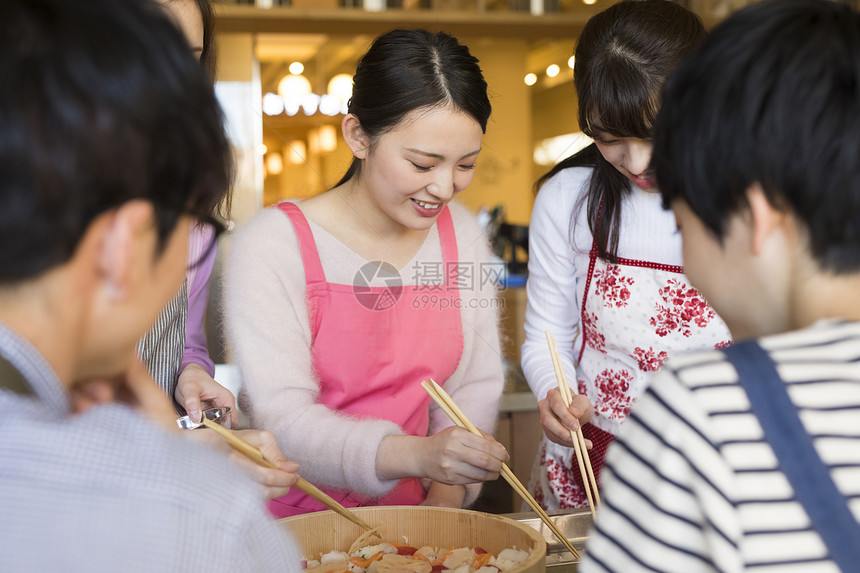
{"points": [[646, 182], [425, 205]]}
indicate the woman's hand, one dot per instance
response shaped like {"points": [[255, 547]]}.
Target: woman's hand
{"points": [[456, 456], [453, 456], [277, 482], [196, 389], [558, 420]]}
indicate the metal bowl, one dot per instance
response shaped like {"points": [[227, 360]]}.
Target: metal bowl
{"points": [[220, 416]]}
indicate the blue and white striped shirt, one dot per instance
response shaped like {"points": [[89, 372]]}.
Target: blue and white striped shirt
{"points": [[691, 484], [109, 491]]}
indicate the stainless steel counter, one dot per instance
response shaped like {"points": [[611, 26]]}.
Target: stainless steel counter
{"points": [[574, 523]]}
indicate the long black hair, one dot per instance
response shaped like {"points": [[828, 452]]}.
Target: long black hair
{"points": [[623, 57], [405, 70]]}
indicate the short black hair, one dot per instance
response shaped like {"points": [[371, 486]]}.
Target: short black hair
{"points": [[771, 97], [101, 102]]}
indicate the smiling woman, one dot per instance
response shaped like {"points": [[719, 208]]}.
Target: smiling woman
{"points": [[336, 379], [605, 273]]}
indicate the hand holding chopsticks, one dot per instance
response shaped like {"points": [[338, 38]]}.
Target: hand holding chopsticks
{"points": [[586, 471], [459, 417], [254, 454]]}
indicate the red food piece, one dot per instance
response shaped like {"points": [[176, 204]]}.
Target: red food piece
{"points": [[480, 550], [406, 550]]}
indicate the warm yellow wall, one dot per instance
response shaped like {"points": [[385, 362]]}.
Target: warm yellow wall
{"points": [[320, 172], [235, 57], [504, 172], [554, 111], [238, 87]]}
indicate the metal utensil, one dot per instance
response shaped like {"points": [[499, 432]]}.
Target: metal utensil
{"points": [[220, 416]]}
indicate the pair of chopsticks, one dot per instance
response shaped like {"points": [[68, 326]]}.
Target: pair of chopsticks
{"points": [[585, 469], [459, 417], [254, 454]]}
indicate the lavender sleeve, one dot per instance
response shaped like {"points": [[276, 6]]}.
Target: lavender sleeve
{"points": [[196, 349]]}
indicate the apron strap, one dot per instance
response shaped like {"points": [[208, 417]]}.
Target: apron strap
{"points": [[592, 260], [448, 241], [310, 255], [809, 476], [11, 379]]}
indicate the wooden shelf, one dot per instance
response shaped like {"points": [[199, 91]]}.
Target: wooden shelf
{"points": [[349, 22]]}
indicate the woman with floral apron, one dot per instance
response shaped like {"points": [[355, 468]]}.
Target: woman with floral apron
{"points": [[605, 274], [340, 305]]}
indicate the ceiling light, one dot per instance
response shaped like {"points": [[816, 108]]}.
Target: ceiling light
{"points": [[297, 68], [530, 79], [274, 163], [552, 70], [340, 86], [293, 88], [298, 151], [329, 105], [327, 138], [273, 104], [310, 103]]}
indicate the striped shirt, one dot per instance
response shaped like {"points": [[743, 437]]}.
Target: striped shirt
{"points": [[692, 485], [161, 349], [106, 490]]}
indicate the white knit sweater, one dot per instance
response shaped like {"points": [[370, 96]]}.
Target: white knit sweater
{"points": [[270, 341]]}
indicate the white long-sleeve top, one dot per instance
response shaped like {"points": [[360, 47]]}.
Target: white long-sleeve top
{"points": [[559, 246]]}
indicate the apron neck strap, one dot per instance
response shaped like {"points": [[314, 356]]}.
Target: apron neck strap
{"points": [[808, 475]]}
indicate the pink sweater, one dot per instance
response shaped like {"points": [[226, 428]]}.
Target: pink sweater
{"points": [[270, 341]]}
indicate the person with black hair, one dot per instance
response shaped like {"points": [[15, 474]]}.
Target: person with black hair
{"points": [[175, 349], [749, 459], [605, 274], [112, 147], [339, 306]]}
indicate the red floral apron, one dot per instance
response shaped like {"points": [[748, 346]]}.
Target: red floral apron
{"points": [[635, 314], [371, 358]]}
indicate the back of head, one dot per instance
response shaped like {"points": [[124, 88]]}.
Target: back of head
{"points": [[623, 57], [101, 102], [406, 70], [772, 97]]}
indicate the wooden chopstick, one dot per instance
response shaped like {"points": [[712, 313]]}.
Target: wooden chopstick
{"points": [[254, 454], [459, 417], [584, 460]]}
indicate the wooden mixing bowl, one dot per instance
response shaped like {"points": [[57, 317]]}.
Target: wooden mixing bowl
{"points": [[325, 531]]}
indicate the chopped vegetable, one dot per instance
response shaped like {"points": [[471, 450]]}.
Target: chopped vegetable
{"points": [[403, 558]]}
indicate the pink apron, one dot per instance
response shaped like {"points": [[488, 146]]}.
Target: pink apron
{"points": [[635, 314], [371, 357]]}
